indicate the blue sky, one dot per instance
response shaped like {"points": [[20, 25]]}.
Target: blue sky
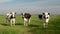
{"points": [[11, 3], [34, 4]]}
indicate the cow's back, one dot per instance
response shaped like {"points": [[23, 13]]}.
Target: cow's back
{"points": [[27, 15]]}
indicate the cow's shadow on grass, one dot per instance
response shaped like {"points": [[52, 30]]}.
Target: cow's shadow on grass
{"points": [[31, 25], [9, 24], [4, 24], [18, 24]]}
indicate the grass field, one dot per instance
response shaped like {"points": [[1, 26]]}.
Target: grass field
{"points": [[36, 26]]}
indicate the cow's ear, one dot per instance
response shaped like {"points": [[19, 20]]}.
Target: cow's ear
{"points": [[11, 13], [15, 13], [43, 13], [48, 13]]}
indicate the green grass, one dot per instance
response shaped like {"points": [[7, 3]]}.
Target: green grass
{"points": [[36, 26]]}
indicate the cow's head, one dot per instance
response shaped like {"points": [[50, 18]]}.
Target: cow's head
{"points": [[46, 15], [13, 14]]}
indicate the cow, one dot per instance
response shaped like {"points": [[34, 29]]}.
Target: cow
{"points": [[45, 17], [11, 18], [26, 18]]}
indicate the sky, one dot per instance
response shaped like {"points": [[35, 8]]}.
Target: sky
{"points": [[30, 6]]}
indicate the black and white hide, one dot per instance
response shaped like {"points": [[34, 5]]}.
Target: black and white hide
{"points": [[45, 17], [26, 18], [11, 18]]}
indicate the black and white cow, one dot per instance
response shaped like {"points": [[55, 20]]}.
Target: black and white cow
{"points": [[11, 18], [26, 18], [45, 17]]}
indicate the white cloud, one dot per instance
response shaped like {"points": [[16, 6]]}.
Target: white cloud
{"points": [[3, 1]]}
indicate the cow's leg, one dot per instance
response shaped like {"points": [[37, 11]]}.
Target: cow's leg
{"points": [[46, 24], [29, 21], [47, 20], [25, 22], [13, 22]]}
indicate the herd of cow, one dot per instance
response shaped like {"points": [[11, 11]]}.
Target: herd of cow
{"points": [[27, 17]]}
